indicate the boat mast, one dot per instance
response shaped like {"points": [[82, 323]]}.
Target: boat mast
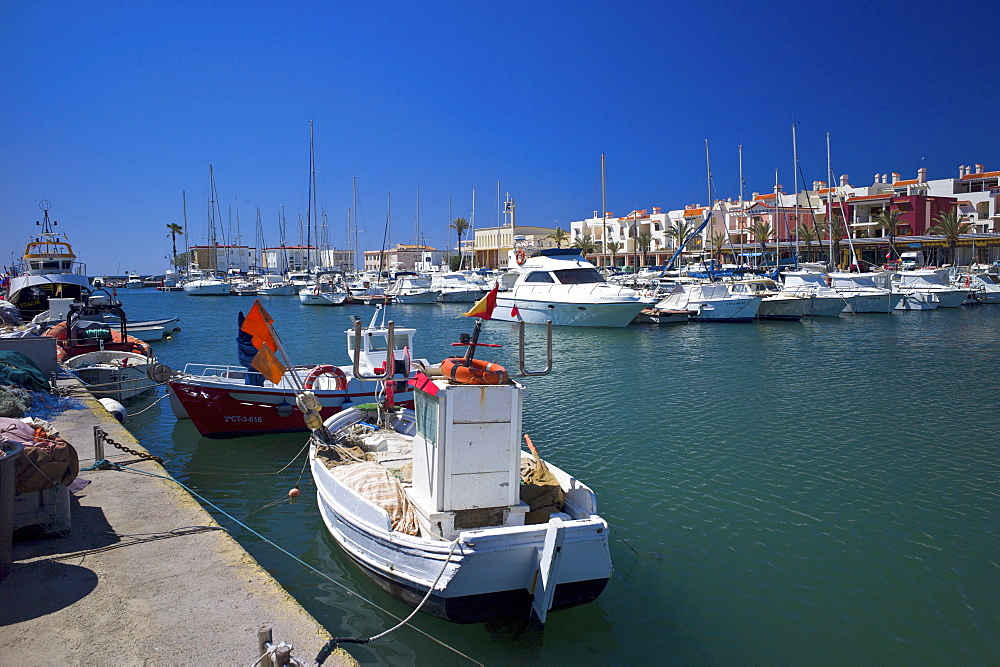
{"points": [[795, 164], [187, 253], [472, 227], [309, 200], [829, 200], [604, 209]]}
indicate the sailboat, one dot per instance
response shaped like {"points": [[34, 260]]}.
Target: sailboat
{"points": [[204, 282]]}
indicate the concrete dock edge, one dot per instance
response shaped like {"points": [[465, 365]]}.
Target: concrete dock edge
{"points": [[144, 575]]}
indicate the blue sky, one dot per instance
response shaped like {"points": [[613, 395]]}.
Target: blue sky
{"points": [[111, 110]]}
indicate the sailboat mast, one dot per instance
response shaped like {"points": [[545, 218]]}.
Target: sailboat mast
{"points": [[604, 209], [829, 198], [795, 166], [472, 228]]}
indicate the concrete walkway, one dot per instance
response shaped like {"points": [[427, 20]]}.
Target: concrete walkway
{"points": [[110, 592]]}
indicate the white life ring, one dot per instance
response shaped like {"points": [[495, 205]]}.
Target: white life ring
{"points": [[326, 369]]}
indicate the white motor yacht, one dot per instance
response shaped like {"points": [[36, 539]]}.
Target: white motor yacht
{"points": [[709, 302], [561, 286], [205, 283], [863, 294]]}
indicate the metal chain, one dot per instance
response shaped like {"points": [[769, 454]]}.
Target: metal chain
{"points": [[128, 450]]}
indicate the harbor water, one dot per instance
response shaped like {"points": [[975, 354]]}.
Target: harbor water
{"points": [[821, 492]]}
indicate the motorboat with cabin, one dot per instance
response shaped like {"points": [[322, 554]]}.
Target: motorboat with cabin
{"points": [[707, 301], [411, 288], [440, 506], [205, 283], [927, 286], [823, 300], [775, 302], [48, 269], [863, 293], [454, 287], [93, 343], [560, 286], [236, 401], [982, 287], [328, 290]]}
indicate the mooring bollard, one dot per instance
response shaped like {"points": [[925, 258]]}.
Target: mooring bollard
{"points": [[263, 645], [98, 445]]}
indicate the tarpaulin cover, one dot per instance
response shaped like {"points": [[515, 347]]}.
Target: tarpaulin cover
{"points": [[15, 368], [376, 484], [47, 459]]}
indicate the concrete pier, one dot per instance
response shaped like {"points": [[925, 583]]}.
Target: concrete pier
{"points": [[143, 576]]}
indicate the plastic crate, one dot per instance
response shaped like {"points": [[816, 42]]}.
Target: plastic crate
{"points": [[48, 509]]}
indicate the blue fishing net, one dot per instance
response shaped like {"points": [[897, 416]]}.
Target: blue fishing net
{"points": [[47, 406]]}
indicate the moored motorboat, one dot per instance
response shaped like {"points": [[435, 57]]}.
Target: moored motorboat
{"points": [[94, 344], [441, 508], [709, 302], [231, 401], [560, 286]]}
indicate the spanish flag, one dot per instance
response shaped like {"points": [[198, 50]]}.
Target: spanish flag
{"points": [[484, 307]]}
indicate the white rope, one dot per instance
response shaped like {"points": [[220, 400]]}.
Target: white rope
{"points": [[426, 597]]}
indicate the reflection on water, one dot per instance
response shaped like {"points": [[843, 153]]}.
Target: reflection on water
{"points": [[822, 491]]}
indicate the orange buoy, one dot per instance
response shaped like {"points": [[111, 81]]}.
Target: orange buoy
{"points": [[476, 372], [294, 493]]}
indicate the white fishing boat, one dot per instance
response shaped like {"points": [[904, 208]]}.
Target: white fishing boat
{"points": [[441, 508], [48, 269], [560, 286], [411, 288], [823, 300], [114, 374], [709, 302], [928, 286], [863, 294], [328, 290]]}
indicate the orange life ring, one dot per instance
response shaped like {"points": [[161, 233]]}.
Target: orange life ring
{"points": [[326, 369], [519, 256], [477, 372]]}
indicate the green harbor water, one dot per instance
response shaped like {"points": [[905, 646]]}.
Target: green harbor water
{"points": [[823, 492]]}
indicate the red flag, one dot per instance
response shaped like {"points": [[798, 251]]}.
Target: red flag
{"points": [[484, 307], [258, 325], [424, 384], [514, 312]]}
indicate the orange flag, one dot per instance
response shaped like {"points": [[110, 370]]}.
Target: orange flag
{"points": [[484, 307], [268, 365], [258, 324]]}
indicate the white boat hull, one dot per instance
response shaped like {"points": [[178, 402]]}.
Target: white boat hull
{"points": [[580, 314], [490, 572], [109, 374], [207, 288]]}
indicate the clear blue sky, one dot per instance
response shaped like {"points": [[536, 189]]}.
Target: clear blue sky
{"points": [[111, 110]]}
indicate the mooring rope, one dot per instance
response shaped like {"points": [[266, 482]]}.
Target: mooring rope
{"points": [[314, 569]]}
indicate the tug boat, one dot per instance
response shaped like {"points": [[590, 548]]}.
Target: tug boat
{"points": [[441, 507]]}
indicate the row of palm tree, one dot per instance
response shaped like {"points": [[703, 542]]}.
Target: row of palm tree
{"points": [[948, 224]]}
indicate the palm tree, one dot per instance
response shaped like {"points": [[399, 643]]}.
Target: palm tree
{"points": [[718, 241], [613, 248], [889, 221], [174, 229], [761, 231], [643, 240], [950, 226], [460, 225], [584, 243], [838, 232], [559, 235], [807, 235], [680, 230]]}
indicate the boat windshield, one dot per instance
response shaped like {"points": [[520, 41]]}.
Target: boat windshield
{"points": [[578, 276]]}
